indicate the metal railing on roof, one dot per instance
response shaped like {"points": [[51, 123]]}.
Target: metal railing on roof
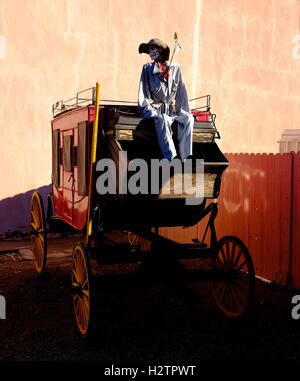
{"points": [[82, 98], [87, 96]]}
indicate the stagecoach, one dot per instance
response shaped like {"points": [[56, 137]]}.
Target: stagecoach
{"points": [[88, 132]]}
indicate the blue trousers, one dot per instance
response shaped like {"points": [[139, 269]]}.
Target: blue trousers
{"points": [[163, 124]]}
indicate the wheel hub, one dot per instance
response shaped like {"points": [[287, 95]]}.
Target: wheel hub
{"points": [[76, 289]]}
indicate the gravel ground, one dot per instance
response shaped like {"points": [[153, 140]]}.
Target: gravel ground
{"points": [[152, 323]]}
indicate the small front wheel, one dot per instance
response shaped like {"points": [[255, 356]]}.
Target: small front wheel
{"points": [[82, 291], [234, 293]]}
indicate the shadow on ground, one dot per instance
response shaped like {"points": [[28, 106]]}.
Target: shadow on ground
{"points": [[138, 321]]}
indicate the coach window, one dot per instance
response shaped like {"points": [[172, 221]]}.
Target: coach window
{"points": [[67, 153]]}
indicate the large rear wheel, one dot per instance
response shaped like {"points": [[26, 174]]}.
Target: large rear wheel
{"points": [[234, 293], [38, 232]]}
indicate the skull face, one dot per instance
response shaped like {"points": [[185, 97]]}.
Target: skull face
{"points": [[153, 52]]}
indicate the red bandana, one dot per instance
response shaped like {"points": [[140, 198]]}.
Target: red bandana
{"points": [[164, 69]]}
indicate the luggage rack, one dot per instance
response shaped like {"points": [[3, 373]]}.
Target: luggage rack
{"points": [[82, 98], [87, 96]]}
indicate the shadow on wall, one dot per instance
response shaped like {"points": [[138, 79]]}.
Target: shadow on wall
{"points": [[15, 211]]}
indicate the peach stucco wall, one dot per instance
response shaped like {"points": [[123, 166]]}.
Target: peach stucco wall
{"points": [[243, 53]]}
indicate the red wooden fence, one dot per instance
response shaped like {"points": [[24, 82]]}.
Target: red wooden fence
{"points": [[260, 203]]}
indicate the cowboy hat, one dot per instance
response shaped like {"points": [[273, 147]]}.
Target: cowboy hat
{"points": [[144, 47]]}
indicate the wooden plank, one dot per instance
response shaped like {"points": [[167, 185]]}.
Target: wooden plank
{"points": [[295, 221], [285, 172]]}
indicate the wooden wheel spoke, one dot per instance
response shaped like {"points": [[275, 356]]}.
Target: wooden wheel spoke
{"points": [[224, 298], [240, 298], [228, 298], [219, 287], [223, 290], [236, 305], [227, 252], [33, 226], [237, 259], [232, 300], [41, 237], [33, 208], [85, 283], [78, 268], [220, 261], [76, 301], [38, 251], [223, 255], [242, 286], [80, 312], [39, 255], [75, 264], [34, 245], [36, 213], [232, 253], [39, 221], [75, 276], [37, 248], [82, 269], [85, 310], [34, 221], [85, 299], [241, 266]]}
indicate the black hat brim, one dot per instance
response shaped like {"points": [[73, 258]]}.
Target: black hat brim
{"points": [[144, 48]]}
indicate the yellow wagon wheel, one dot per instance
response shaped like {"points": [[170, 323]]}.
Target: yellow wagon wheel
{"points": [[38, 232], [234, 294], [137, 241], [82, 291]]}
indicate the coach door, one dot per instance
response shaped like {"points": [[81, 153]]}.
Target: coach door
{"points": [[68, 174]]}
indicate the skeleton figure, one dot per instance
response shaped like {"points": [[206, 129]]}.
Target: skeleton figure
{"points": [[160, 86]]}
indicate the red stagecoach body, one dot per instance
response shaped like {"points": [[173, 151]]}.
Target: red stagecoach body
{"points": [[69, 205]]}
